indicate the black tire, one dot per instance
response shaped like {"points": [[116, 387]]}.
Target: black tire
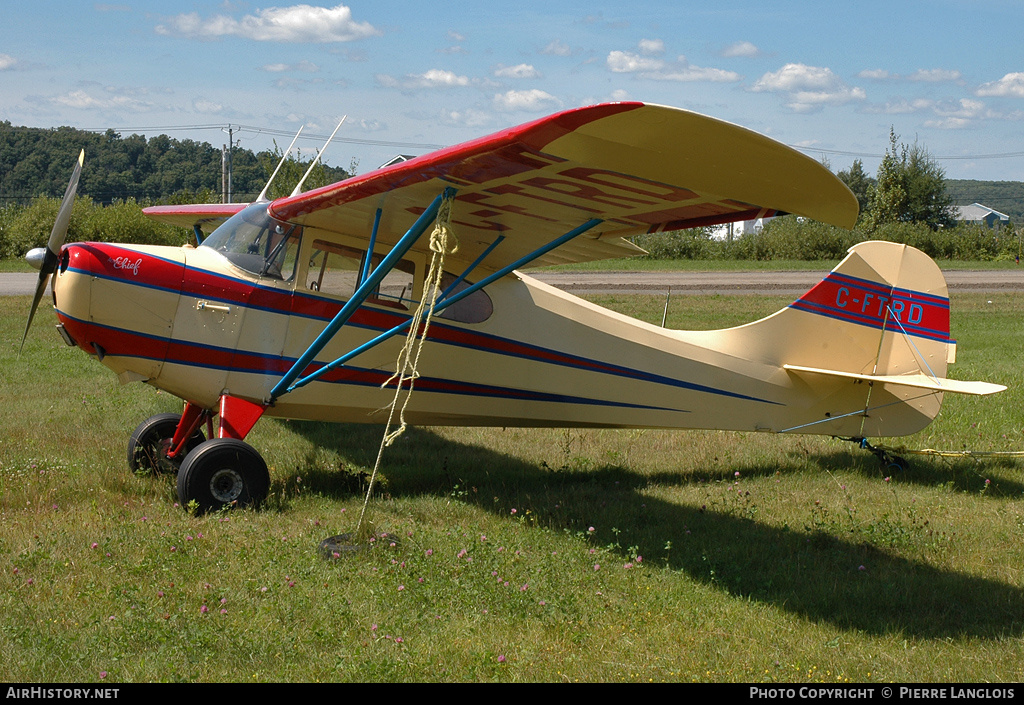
{"points": [[151, 441], [223, 472]]}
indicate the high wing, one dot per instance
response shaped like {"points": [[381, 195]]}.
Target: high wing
{"points": [[207, 216], [638, 168]]}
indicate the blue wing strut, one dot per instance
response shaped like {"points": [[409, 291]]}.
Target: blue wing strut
{"points": [[288, 382]]}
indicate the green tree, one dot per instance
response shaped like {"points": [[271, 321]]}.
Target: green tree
{"points": [[910, 188], [857, 180]]}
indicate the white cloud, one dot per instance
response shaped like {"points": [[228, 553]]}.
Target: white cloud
{"points": [[465, 118], [298, 23], [434, 78], [530, 100], [7, 61], [744, 49], [809, 87], [919, 76], [557, 48], [628, 62], [520, 71], [876, 74], [659, 70], [902, 106], [110, 98], [934, 75], [438, 78], [303, 66], [1012, 84], [651, 47], [207, 106], [455, 36]]}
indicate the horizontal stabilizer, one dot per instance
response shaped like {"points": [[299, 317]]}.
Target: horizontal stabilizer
{"points": [[918, 380]]}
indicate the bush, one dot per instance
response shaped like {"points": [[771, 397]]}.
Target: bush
{"points": [[790, 237], [22, 228], [123, 221], [794, 238], [680, 244]]}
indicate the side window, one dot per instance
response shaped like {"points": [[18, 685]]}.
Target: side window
{"points": [[283, 252], [335, 270], [475, 308]]}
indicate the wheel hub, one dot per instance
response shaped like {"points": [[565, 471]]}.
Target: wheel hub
{"points": [[226, 485]]}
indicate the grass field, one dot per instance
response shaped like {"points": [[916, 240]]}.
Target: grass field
{"points": [[519, 555]]}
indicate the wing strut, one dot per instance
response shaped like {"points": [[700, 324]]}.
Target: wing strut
{"points": [[446, 300], [360, 295]]}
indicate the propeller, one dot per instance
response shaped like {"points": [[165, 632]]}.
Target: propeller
{"points": [[48, 265]]}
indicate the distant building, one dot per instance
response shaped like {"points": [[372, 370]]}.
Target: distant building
{"points": [[397, 159], [977, 213]]}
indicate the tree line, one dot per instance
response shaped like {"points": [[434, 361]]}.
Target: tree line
{"points": [[37, 162], [908, 200]]}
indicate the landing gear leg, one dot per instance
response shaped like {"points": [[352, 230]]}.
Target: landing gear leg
{"points": [[151, 443]]}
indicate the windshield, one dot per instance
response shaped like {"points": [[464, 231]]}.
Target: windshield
{"points": [[256, 242]]}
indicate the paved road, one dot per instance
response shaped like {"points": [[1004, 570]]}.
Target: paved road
{"points": [[782, 283]]}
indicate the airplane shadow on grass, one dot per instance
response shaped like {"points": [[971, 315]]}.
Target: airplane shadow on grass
{"points": [[814, 573]]}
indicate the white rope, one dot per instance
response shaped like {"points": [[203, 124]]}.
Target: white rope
{"points": [[442, 243]]}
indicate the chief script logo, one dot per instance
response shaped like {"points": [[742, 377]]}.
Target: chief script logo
{"points": [[126, 263]]}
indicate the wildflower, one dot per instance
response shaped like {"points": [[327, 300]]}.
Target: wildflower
{"points": [[591, 530], [103, 674], [525, 587], [501, 659], [204, 609], [223, 611], [513, 510], [597, 566], [401, 587], [95, 545]]}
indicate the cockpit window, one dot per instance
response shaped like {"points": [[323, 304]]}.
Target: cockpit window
{"points": [[256, 242]]}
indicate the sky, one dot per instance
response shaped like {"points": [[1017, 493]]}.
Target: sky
{"points": [[827, 78]]}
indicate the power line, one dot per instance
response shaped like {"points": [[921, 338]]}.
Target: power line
{"points": [[270, 131], [868, 155]]}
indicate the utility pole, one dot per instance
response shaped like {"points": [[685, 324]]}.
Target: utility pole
{"points": [[226, 164]]}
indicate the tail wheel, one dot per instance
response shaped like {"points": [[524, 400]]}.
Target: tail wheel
{"points": [[223, 472], [151, 442]]}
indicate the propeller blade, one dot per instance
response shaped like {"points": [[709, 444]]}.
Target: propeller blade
{"points": [[56, 241]]}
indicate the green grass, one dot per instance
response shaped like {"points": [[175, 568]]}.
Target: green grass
{"points": [[522, 555]]}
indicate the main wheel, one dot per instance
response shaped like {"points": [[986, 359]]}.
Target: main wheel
{"points": [[223, 472], [151, 442]]}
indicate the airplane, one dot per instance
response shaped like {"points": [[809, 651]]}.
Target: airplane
{"points": [[300, 307]]}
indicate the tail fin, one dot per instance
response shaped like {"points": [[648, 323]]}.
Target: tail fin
{"points": [[866, 349], [881, 319]]}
